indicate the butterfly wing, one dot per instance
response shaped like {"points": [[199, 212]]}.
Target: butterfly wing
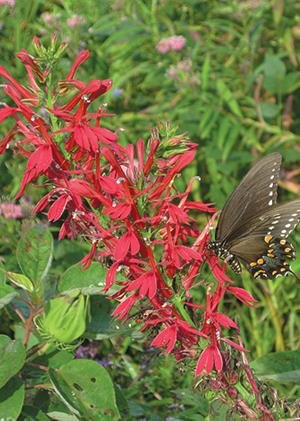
{"points": [[278, 222], [263, 248], [255, 194]]}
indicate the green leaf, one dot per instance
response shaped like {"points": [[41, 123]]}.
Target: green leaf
{"points": [[11, 399], [284, 367], [20, 281], [274, 74], [269, 110], [12, 358], [7, 299], [87, 388], [54, 359], [34, 253], [33, 413], [274, 67], [91, 279], [291, 82], [219, 411], [205, 73], [7, 292], [228, 98], [102, 325]]}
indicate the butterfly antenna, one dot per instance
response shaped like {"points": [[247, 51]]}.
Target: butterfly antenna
{"points": [[296, 276]]}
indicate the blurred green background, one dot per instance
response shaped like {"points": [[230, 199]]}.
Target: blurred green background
{"points": [[232, 85]]}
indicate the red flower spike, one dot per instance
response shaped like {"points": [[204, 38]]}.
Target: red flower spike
{"points": [[124, 202]]}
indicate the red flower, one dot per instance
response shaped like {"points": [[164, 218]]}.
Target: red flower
{"points": [[209, 359], [122, 310], [166, 338], [127, 243], [146, 284]]}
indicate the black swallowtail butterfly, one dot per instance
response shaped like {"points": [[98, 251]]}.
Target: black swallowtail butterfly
{"points": [[252, 228]]}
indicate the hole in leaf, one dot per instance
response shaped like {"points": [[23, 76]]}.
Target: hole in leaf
{"points": [[93, 380], [78, 387], [108, 411]]}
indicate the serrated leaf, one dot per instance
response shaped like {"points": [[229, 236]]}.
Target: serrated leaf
{"points": [[12, 358], [87, 387], [11, 399]]}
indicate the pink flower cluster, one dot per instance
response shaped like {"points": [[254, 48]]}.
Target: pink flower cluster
{"points": [[175, 43], [10, 3], [11, 211], [75, 20]]}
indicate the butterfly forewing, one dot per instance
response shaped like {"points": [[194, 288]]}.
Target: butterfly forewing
{"points": [[256, 194]]}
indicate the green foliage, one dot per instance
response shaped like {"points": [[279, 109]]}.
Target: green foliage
{"points": [[234, 88], [81, 383]]}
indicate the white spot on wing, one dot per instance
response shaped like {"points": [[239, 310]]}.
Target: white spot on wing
{"points": [[270, 203]]}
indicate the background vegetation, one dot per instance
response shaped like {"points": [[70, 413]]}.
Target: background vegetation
{"points": [[233, 88]]}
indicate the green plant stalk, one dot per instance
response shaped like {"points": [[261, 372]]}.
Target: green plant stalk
{"points": [[275, 318]]}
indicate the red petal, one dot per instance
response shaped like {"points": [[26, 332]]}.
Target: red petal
{"points": [[224, 320], [218, 360], [241, 294], [57, 207]]}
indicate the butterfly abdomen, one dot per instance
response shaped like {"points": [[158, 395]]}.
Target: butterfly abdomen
{"points": [[225, 255]]}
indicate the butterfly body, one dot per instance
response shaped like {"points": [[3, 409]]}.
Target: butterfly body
{"points": [[252, 228], [225, 255]]}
